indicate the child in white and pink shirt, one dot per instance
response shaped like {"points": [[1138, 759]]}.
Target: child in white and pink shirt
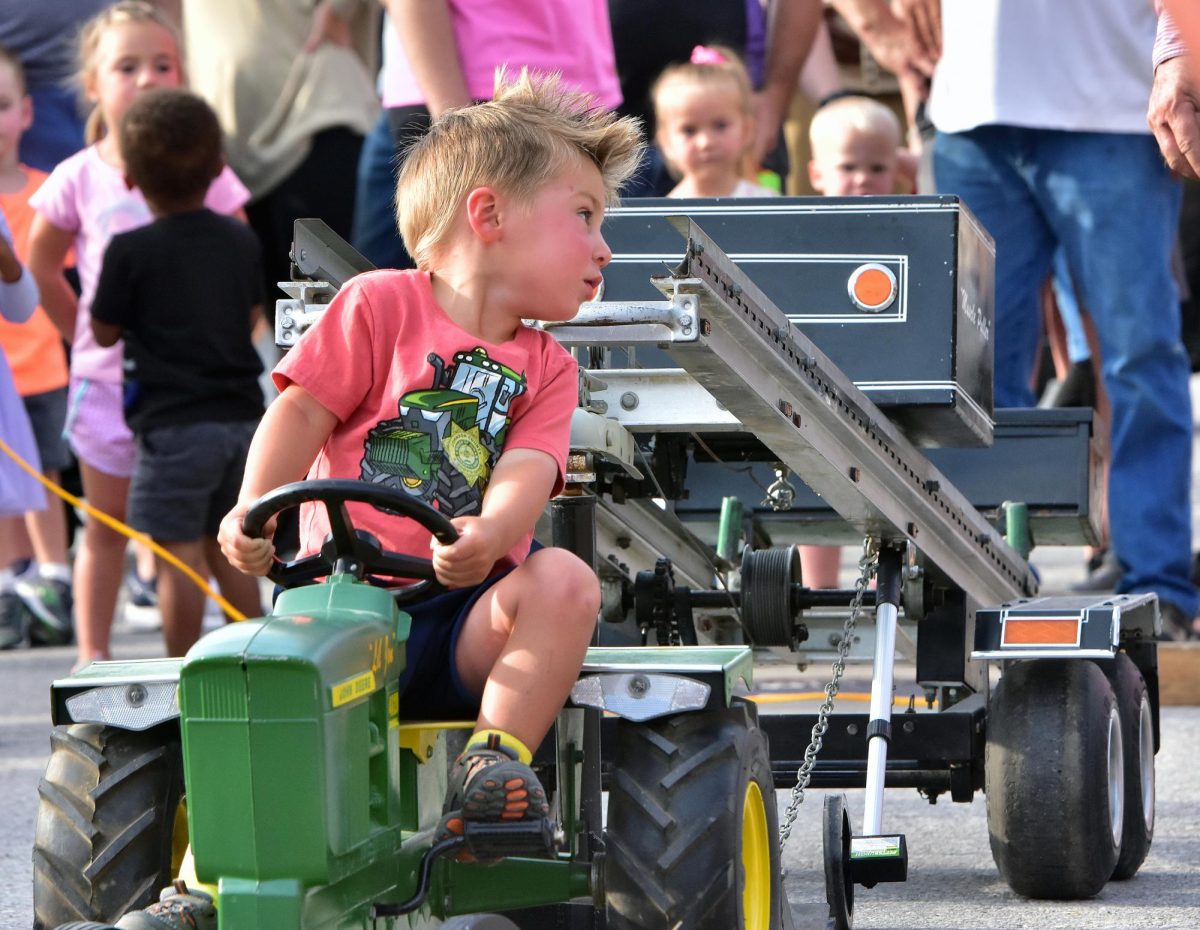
{"points": [[126, 49]]}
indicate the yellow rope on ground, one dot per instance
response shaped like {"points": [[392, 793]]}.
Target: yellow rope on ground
{"points": [[116, 525]]}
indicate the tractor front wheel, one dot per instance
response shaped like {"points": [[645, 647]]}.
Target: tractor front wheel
{"points": [[111, 825], [692, 837]]}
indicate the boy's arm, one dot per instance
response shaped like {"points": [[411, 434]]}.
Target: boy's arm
{"points": [[107, 334], [112, 300], [291, 433], [517, 494], [48, 248]]}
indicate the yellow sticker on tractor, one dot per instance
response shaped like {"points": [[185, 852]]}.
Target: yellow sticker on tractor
{"points": [[353, 688]]}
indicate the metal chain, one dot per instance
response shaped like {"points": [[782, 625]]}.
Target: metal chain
{"points": [[867, 565]]}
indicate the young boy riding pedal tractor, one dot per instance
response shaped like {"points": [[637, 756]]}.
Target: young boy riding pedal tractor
{"points": [[307, 802]]}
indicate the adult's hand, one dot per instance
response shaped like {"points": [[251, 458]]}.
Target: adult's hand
{"points": [[1174, 115], [327, 26], [924, 19], [888, 38]]}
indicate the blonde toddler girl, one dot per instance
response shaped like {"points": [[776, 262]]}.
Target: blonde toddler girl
{"points": [[704, 116]]}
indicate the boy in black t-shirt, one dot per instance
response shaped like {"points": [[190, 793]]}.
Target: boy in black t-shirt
{"points": [[183, 293]]}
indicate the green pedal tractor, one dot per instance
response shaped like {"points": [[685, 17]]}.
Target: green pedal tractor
{"points": [[277, 751]]}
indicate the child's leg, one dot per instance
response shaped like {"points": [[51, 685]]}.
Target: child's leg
{"points": [[47, 528], [521, 646], [16, 545], [99, 563], [180, 599], [145, 563], [523, 643], [240, 590], [13, 543]]}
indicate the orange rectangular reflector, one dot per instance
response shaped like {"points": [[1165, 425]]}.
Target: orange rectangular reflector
{"points": [[1041, 631]]}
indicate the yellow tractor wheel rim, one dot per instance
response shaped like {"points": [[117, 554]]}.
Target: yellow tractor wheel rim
{"points": [[179, 836], [756, 861]]}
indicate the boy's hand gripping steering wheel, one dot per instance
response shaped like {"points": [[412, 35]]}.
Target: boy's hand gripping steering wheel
{"points": [[347, 549]]}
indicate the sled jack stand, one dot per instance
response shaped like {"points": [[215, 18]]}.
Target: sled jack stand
{"points": [[874, 856]]}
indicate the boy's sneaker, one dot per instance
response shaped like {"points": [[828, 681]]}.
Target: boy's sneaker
{"points": [[50, 604], [14, 620], [177, 909], [138, 592], [141, 602], [490, 785]]}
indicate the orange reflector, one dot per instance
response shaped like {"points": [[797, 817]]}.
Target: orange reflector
{"points": [[872, 287], [1041, 631]]}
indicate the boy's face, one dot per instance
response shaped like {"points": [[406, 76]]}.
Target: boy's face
{"points": [[553, 250], [859, 163], [16, 110], [702, 130]]}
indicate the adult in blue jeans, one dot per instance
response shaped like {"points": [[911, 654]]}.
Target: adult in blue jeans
{"points": [[1049, 150]]}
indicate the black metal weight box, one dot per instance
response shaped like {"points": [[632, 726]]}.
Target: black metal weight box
{"points": [[897, 291], [1045, 459]]}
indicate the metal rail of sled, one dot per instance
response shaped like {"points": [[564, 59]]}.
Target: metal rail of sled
{"points": [[774, 382]]}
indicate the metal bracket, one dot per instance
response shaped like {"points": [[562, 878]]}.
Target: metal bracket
{"points": [[652, 322], [303, 306], [773, 380]]}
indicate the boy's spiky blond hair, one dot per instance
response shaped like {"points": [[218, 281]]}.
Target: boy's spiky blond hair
{"points": [[531, 130]]}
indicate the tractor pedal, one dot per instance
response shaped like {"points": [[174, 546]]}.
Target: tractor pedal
{"points": [[875, 859], [538, 839]]}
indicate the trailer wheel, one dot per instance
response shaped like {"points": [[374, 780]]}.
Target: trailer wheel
{"points": [[1137, 736], [693, 836], [111, 824], [1054, 772]]}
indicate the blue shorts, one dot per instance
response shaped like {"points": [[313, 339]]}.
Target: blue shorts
{"points": [[186, 478], [430, 687], [47, 414]]}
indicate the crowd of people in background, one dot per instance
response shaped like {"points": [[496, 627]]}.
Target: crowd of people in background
{"points": [[155, 289]]}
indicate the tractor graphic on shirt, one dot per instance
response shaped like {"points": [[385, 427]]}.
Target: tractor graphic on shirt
{"points": [[445, 441]]}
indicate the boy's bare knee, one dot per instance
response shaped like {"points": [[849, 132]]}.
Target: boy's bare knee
{"points": [[561, 577]]}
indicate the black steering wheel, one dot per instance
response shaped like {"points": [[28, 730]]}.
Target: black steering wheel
{"points": [[347, 549]]}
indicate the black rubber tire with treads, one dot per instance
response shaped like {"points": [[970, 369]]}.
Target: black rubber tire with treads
{"points": [[1137, 734], [673, 841], [103, 841], [1051, 724]]}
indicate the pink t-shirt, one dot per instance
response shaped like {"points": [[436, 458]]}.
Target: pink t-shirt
{"points": [[87, 196], [569, 36], [422, 405]]}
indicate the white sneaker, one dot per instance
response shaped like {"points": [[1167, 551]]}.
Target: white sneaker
{"points": [[142, 619]]}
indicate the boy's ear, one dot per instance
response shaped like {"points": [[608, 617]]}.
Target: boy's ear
{"points": [[483, 213]]}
